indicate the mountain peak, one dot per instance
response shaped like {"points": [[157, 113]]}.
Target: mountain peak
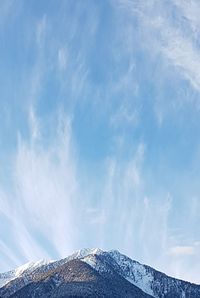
{"points": [[87, 251], [103, 272]]}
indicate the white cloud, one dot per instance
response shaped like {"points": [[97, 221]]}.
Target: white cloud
{"points": [[29, 248], [7, 8], [41, 30], [190, 10], [45, 193], [49, 201], [181, 250], [34, 125], [4, 207], [62, 59], [124, 115], [183, 261], [115, 208], [140, 222], [46, 185], [9, 254], [168, 36]]}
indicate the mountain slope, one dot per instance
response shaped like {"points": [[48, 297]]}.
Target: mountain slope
{"points": [[22, 270], [75, 279], [152, 281], [93, 272]]}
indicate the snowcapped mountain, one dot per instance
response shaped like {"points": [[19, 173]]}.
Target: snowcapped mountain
{"points": [[93, 273], [149, 280], [21, 271]]}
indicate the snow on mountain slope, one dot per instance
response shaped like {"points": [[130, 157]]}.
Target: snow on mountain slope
{"points": [[131, 270], [134, 272], [22, 270], [108, 264], [84, 252], [41, 265], [149, 280]]}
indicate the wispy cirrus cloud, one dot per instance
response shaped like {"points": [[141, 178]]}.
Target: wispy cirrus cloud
{"points": [[51, 208], [102, 163], [168, 35], [44, 194]]}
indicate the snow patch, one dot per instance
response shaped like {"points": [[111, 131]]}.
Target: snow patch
{"points": [[21, 271], [134, 272]]}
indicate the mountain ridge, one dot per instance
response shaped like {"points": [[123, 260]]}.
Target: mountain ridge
{"points": [[106, 267]]}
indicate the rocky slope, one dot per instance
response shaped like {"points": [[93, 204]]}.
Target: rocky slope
{"points": [[93, 273]]}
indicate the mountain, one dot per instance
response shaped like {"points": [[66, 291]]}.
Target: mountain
{"points": [[93, 273]]}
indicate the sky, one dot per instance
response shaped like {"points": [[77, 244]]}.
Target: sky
{"points": [[100, 131]]}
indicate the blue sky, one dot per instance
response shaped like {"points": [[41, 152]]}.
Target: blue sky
{"points": [[99, 134]]}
